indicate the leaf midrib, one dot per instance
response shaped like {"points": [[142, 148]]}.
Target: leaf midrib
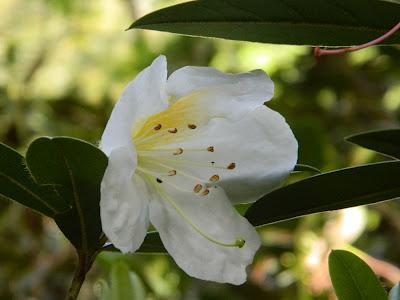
{"points": [[76, 200], [22, 186]]}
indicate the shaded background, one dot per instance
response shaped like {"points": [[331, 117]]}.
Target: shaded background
{"points": [[64, 63]]}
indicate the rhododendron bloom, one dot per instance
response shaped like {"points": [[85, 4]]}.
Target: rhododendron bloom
{"points": [[182, 151]]}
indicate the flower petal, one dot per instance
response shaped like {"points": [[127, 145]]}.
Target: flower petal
{"points": [[144, 96], [124, 202], [249, 157], [213, 215], [244, 91]]}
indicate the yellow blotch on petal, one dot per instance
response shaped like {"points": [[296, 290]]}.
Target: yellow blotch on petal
{"points": [[169, 125]]}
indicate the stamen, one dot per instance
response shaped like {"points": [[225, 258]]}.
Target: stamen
{"points": [[239, 242], [155, 162], [181, 161], [210, 149], [214, 178], [157, 127], [172, 173], [146, 173], [192, 126], [197, 188], [205, 192], [231, 166], [145, 138], [178, 151], [173, 130]]}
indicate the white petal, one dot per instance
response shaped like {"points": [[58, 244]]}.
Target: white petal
{"points": [[213, 215], [261, 145], [144, 96], [228, 94], [124, 202]]}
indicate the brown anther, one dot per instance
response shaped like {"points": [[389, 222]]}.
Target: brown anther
{"points": [[159, 180], [205, 192], [173, 130], [171, 172], [157, 127], [192, 126], [178, 151], [231, 166], [210, 149], [197, 188], [214, 178]]}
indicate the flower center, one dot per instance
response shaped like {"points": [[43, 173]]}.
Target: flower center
{"points": [[161, 163]]}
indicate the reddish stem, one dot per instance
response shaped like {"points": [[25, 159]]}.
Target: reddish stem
{"points": [[319, 52]]}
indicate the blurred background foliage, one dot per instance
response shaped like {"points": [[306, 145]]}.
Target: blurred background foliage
{"points": [[64, 63]]}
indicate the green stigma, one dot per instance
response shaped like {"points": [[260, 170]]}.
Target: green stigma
{"points": [[240, 242]]}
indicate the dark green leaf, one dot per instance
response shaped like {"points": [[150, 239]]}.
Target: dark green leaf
{"points": [[307, 22], [151, 244], [395, 292], [352, 278], [18, 184], [305, 168], [383, 141], [328, 191], [74, 169]]}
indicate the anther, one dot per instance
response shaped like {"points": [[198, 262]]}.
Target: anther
{"points": [[157, 127], [231, 166], [210, 149], [172, 173], [159, 180], [205, 192], [173, 130], [214, 178], [197, 188], [178, 151], [192, 126]]}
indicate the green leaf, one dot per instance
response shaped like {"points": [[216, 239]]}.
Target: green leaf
{"points": [[383, 141], [74, 170], [17, 184], [307, 22], [328, 191], [151, 244], [305, 168], [395, 292], [124, 284], [352, 278]]}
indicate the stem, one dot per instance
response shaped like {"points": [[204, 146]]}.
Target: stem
{"points": [[319, 52], [83, 267]]}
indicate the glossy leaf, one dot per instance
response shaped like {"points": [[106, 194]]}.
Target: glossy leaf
{"points": [[307, 22], [328, 191], [151, 244], [74, 170], [383, 141], [352, 278], [395, 292], [305, 168], [18, 184]]}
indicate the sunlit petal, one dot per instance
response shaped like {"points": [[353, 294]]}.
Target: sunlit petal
{"points": [[213, 215], [144, 96], [124, 202]]}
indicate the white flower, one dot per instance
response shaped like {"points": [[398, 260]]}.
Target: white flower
{"points": [[181, 151]]}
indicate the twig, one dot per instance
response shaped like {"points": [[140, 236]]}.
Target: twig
{"points": [[83, 267], [319, 52]]}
